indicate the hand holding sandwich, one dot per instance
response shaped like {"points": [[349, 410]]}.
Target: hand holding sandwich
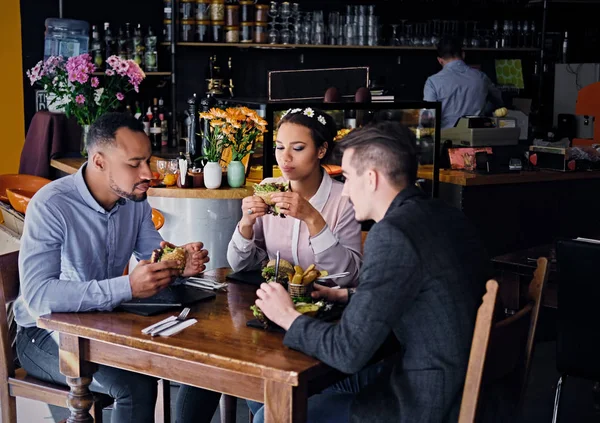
{"points": [[148, 278], [294, 205], [253, 207], [195, 258]]}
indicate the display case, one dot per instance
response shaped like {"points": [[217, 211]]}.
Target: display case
{"points": [[422, 118]]}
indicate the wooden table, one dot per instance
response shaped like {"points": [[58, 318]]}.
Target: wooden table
{"points": [[219, 353]]}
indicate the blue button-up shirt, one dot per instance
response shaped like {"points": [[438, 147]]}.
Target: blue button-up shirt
{"points": [[462, 91], [73, 251]]}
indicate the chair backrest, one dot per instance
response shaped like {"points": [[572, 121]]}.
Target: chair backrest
{"points": [[9, 290], [578, 320], [363, 238], [469, 406], [512, 340]]}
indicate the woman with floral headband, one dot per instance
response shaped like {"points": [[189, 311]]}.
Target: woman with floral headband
{"points": [[319, 225]]}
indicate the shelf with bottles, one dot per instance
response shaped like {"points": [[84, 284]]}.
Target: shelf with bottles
{"points": [[325, 46], [147, 73]]}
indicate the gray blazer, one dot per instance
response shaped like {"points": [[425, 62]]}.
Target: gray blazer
{"points": [[422, 279]]}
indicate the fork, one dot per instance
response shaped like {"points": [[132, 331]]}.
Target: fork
{"points": [[182, 316]]}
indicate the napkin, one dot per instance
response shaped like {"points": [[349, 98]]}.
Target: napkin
{"points": [[178, 327]]}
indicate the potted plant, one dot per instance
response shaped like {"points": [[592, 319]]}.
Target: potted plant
{"points": [[239, 128], [216, 141], [71, 85]]}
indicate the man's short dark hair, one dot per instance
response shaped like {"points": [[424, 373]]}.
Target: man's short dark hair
{"points": [[387, 146], [450, 48], [103, 131]]}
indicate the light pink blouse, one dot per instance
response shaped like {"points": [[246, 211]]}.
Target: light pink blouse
{"points": [[335, 249]]}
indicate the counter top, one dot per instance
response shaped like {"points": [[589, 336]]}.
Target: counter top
{"points": [[464, 178], [70, 165]]}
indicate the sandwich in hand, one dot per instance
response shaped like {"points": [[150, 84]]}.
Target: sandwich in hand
{"points": [[266, 189], [168, 254]]}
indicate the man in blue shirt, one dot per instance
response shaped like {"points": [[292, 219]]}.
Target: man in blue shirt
{"points": [[461, 89], [80, 232]]}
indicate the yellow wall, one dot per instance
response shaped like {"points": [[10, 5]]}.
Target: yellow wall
{"points": [[11, 87]]}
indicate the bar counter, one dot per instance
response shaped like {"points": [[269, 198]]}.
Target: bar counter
{"points": [[191, 214], [519, 210]]}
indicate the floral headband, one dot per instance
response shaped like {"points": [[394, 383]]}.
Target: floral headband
{"points": [[307, 112]]}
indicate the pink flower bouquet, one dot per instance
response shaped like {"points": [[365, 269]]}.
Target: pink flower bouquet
{"points": [[73, 84]]}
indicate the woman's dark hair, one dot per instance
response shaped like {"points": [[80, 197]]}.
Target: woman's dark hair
{"points": [[313, 119]]}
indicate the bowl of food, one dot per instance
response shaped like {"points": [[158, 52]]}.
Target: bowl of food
{"points": [[19, 198], [307, 309], [266, 189], [29, 183]]}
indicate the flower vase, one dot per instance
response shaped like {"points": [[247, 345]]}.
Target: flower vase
{"points": [[85, 129], [213, 174], [236, 174]]}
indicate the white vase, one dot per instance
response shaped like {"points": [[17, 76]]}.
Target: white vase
{"points": [[54, 105], [213, 175]]}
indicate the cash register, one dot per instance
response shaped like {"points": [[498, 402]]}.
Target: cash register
{"points": [[481, 131]]}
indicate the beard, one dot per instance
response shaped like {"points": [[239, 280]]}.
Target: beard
{"points": [[128, 195]]}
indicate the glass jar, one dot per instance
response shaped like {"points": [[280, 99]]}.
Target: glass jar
{"points": [[187, 30], [202, 10], [246, 11], [66, 38], [261, 13], [232, 15], [217, 10], [186, 9], [168, 9], [167, 34], [247, 32], [203, 31], [232, 34], [260, 33], [217, 31]]}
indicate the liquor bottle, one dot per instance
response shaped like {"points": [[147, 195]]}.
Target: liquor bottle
{"points": [[534, 36], [151, 55], [122, 44], [155, 130], [518, 40], [496, 35], [161, 106], [110, 47], [147, 121], [128, 41], [128, 110], [96, 48], [138, 111], [525, 39], [164, 130], [138, 46], [565, 48]]}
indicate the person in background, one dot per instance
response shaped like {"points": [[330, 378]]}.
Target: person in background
{"points": [[319, 227], [461, 89], [423, 275], [80, 232]]}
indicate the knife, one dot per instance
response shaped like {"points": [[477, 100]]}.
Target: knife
{"points": [[277, 266]]}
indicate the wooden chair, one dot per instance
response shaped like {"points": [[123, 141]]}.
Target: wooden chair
{"points": [[363, 239], [505, 357], [469, 406], [15, 382]]}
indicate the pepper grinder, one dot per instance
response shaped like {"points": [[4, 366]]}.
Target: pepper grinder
{"points": [[190, 145]]}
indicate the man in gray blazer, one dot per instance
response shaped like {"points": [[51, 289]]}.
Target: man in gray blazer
{"points": [[422, 278]]}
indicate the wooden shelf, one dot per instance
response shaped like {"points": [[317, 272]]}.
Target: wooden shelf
{"points": [[147, 73], [309, 46]]}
